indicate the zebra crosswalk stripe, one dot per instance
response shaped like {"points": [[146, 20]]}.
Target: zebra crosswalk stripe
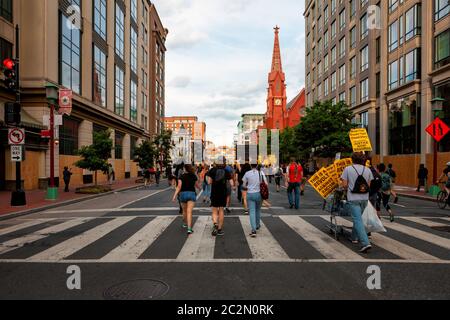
{"points": [[425, 236], [327, 246], [425, 222], [264, 246], [199, 245], [41, 234], [69, 247], [135, 246], [399, 249], [23, 225]]}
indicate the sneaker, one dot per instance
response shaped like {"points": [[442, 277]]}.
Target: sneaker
{"points": [[246, 212], [220, 233], [190, 231], [253, 234], [258, 228], [396, 200], [184, 226], [227, 210], [392, 217], [215, 230], [365, 249], [353, 241], [291, 207]]}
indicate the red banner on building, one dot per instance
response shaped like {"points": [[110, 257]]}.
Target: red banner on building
{"points": [[65, 101]]}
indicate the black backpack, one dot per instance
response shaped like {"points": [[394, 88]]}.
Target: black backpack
{"points": [[376, 184], [220, 176], [361, 185]]}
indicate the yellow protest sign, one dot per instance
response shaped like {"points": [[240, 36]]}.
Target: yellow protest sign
{"points": [[340, 166], [331, 171], [323, 183], [360, 140]]}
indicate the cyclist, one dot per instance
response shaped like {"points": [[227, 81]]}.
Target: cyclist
{"points": [[446, 175]]}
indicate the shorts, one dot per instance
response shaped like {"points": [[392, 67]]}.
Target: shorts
{"points": [[187, 196]]}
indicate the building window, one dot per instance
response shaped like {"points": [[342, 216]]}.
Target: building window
{"points": [[118, 146], [442, 49], [120, 32], [119, 92], [342, 20], [393, 75], [365, 58], [393, 36], [342, 77], [99, 77], [404, 128], [6, 49], [353, 68], [412, 65], [133, 102], [364, 88], [6, 9], [333, 81], [68, 137], [144, 101], [365, 119], [443, 91], [133, 51], [413, 22], [353, 96], [353, 38], [363, 27], [100, 16], [134, 10], [342, 48], [70, 58], [441, 9]]}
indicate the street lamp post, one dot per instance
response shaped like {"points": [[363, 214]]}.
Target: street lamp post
{"points": [[52, 98], [437, 106]]}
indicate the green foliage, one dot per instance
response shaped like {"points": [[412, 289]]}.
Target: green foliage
{"points": [[95, 157], [325, 128], [145, 154], [164, 146], [155, 150]]}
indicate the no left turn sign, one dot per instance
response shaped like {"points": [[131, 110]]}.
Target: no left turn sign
{"points": [[16, 136]]}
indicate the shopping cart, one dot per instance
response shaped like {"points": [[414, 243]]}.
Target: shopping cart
{"points": [[335, 206]]}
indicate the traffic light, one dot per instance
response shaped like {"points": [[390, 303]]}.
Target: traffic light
{"points": [[12, 113], [9, 71]]}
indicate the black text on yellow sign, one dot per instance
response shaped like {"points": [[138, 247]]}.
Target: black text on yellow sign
{"points": [[360, 140]]}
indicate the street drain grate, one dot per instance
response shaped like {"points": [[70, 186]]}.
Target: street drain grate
{"points": [[137, 290], [442, 228]]}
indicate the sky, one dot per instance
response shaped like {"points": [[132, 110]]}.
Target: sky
{"points": [[219, 56]]}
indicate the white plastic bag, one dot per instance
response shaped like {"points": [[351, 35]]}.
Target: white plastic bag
{"points": [[371, 221]]}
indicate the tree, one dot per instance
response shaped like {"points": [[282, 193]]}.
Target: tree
{"points": [[325, 128], [164, 146], [145, 154], [95, 157]]}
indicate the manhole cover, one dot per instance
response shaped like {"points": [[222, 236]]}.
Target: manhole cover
{"points": [[442, 228], [137, 290]]}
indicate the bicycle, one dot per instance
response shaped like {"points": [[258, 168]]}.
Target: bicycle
{"points": [[443, 199]]}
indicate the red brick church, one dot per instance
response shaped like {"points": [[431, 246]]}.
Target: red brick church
{"points": [[280, 114]]}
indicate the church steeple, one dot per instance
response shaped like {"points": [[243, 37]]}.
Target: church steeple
{"points": [[276, 58]]}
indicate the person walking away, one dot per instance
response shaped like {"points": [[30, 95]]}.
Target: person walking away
{"points": [[390, 171], [67, 174], [270, 172], [278, 177], [218, 178], [294, 176], [446, 177], [357, 179], [230, 171], [186, 192], [110, 174], [252, 182], [146, 177], [386, 189], [245, 168], [179, 171], [205, 186], [422, 176], [158, 174], [375, 189]]}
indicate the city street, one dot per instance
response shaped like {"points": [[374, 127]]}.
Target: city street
{"points": [[131, 245]]}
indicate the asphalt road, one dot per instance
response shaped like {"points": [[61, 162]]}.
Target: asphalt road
{"points": [[130, 245]]}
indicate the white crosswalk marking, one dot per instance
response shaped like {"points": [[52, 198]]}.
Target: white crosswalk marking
{"points": [[326, 245], [201, 244], [135, 246], [399, 249], [23, 225], [425, 222], [69, 247], [264, 246], [41, 234], [425, 236]]}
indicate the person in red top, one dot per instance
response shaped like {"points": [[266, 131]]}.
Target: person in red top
{"points": [[294, 176]]}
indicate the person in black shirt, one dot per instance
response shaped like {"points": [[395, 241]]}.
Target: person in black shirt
{"points": [[218, 178], [422, 175], [186, 192], [67, 175]]}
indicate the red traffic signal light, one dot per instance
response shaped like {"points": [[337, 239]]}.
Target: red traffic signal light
{"points": [[9, 63]]}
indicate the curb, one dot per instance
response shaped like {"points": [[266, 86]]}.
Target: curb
{"points": [[424, 198], [62, 204]]}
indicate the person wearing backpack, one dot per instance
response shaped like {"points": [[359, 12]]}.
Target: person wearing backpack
{"points": [[375, 188], [218, 177], [294, 176], [386, 189], [278, 177], [357, 179], [252, 183], [393, 176]]}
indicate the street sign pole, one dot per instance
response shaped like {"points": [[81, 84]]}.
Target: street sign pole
{"points": [[18, 197], [52, 98]]}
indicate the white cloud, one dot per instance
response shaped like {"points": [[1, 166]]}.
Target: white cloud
{"points": [[220, 53]]}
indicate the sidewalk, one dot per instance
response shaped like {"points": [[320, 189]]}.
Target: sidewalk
{"points": [[410, 192], [36, 198]]}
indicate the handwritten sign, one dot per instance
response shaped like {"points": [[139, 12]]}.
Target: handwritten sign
{"points": [[323, 183], [360, 140]]}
